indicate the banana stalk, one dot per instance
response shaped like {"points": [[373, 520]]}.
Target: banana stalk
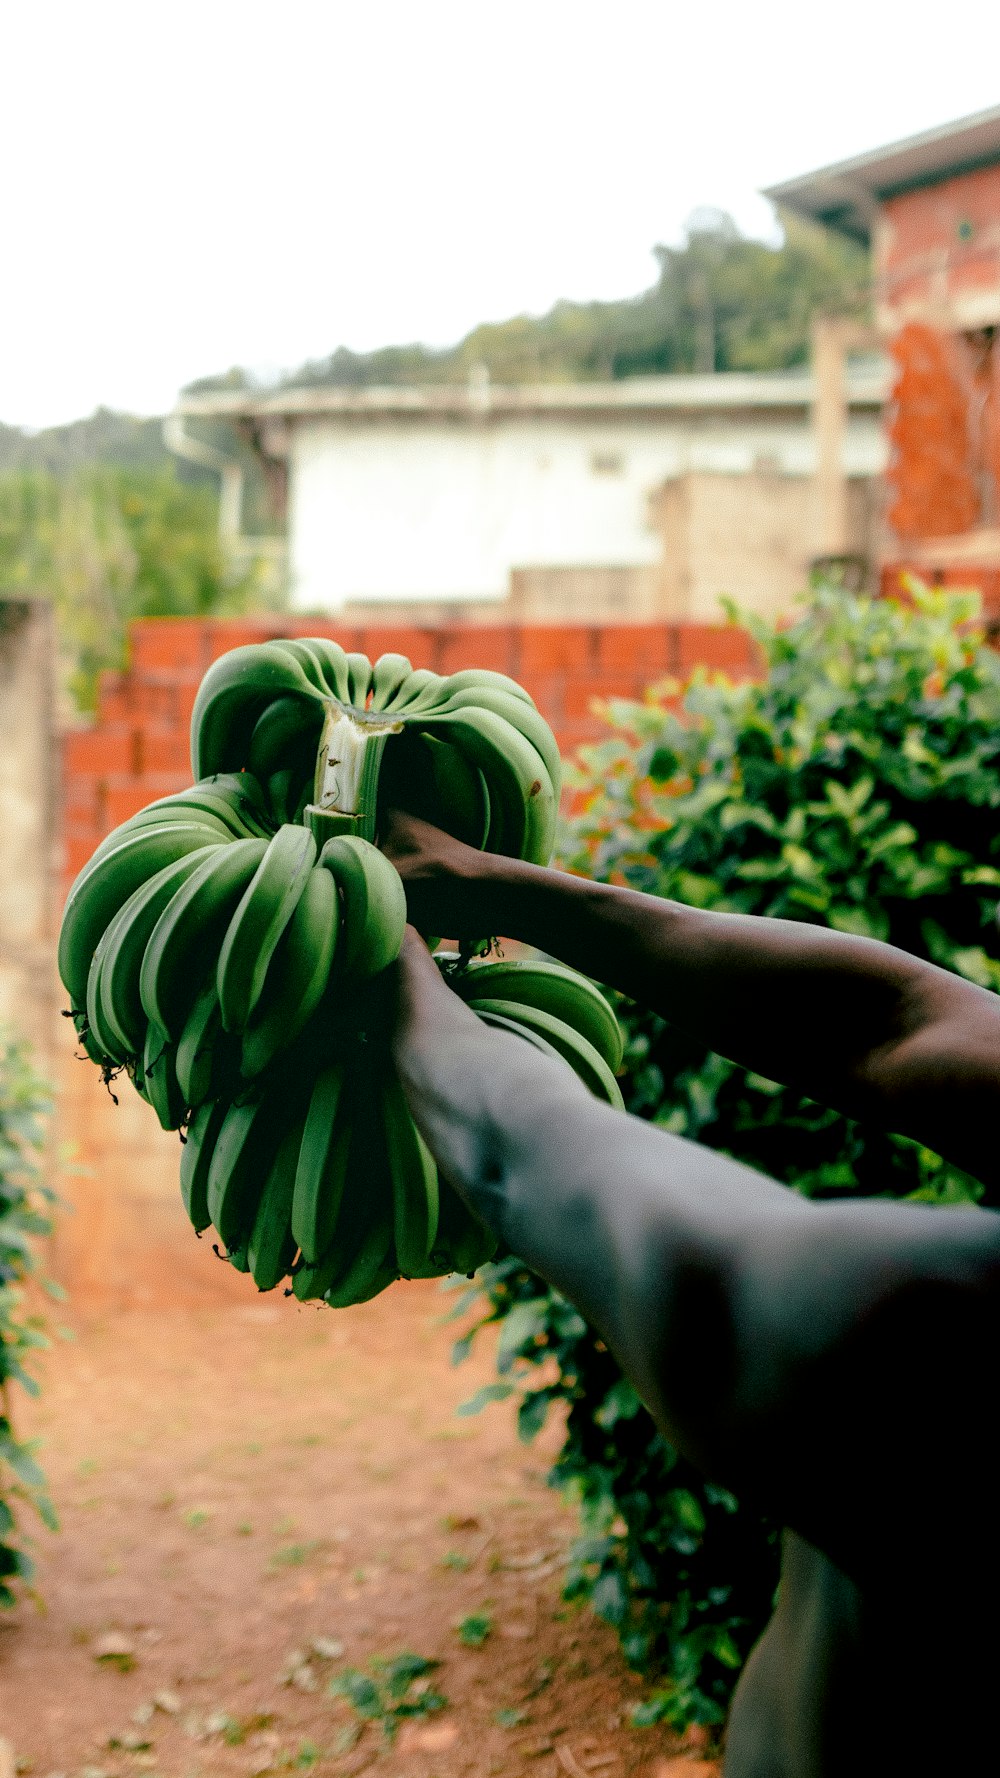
{"points": [[348, 764]]}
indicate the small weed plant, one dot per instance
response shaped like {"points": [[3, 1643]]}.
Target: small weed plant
{"points": [[25, 1207]]}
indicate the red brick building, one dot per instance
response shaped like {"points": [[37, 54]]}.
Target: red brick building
{"points": [[930, 207]]}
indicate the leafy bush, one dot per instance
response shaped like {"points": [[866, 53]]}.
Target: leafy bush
{"points": [[856, 785], [22, 1220]]}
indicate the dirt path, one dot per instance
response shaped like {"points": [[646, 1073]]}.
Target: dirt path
{"points": [[264, 1493]]}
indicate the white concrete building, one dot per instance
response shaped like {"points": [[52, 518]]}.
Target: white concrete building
{"points": [[633, 498]]}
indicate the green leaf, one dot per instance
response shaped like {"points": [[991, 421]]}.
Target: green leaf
{"points": [[488, 1393], [532, 1413]]}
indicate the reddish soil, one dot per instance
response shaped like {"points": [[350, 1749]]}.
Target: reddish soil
{"points": [[244, 1484]]}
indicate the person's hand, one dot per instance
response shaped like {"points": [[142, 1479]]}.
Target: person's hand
{"points": [[443, 878]]}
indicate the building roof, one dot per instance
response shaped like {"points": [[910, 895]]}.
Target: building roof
{"points": [[845, 196], [867, 386]]}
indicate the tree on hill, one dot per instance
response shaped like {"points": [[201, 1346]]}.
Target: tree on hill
{"points": [[721, 301]]}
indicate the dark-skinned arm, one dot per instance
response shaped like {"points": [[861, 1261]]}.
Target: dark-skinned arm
{"points": [[762, 1331], [854, 1023]]}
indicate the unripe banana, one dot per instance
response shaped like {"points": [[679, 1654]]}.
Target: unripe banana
{"points": [[289, 727], [114, 1003], [553, 988], [105, 884], [581, 1055], [414, 1177], [196, 1158], [271, 1247], [389, 675], [160, 1080], [200, 1047], [232, 695], [244, 1149], [374, 913], [260, 919], [189, 929], [321, 1172], [301, 966], [359, 679]]}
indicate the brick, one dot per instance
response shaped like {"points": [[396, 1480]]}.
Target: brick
{"points": [[646, 649], [184, 698], [94, 752], [158, 704], [571, 735], [76, 853], [581, 692], [114, 702], [79, 797], [722, 647], [551, 648], [165, 750], [168, 644], [474, 645], [121, 800]]}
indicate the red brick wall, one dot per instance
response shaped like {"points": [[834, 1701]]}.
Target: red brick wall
{"points": [[940, 241], [138, 747]]}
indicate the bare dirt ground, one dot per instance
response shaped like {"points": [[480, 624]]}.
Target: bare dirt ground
{"points": [[257, 1498]]}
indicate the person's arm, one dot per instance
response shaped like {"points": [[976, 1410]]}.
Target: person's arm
{"points": [[771, 1338], [635, 1226], [852, 1022]]}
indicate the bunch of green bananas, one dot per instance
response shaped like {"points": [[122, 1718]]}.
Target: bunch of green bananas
{"points": [[230, 960], [326, 731]]}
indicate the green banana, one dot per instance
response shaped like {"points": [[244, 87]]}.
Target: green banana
{"points": [[432, 779], [374, 913], [321, 1173], [300, 650], [302, 969], [521, 716], [199, 1046], [160, 1080], [414, 1177], [189, 927], [521, 790], [359, 680], [333, 662], [268, 904], [231, 697], [463, 1243], [553, 988], [196, 1158], [245, 1147], [474, 678], [105, 884], [288, 727], [114, 1004], [271, 1247], [389, 675], [215, 831], [422, 684], [581, 1055]]}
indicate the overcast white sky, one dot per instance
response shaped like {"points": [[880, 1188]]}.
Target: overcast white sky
{"points": [[207, 182]]}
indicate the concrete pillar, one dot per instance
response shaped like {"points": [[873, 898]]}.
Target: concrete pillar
{"points": [[27, 819], [829, 353]]}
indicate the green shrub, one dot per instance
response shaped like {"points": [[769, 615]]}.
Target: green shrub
{"points": [[23, 1205], [855, 784]]}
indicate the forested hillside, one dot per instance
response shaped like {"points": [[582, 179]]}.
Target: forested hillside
{"points": [[721, 301]]}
